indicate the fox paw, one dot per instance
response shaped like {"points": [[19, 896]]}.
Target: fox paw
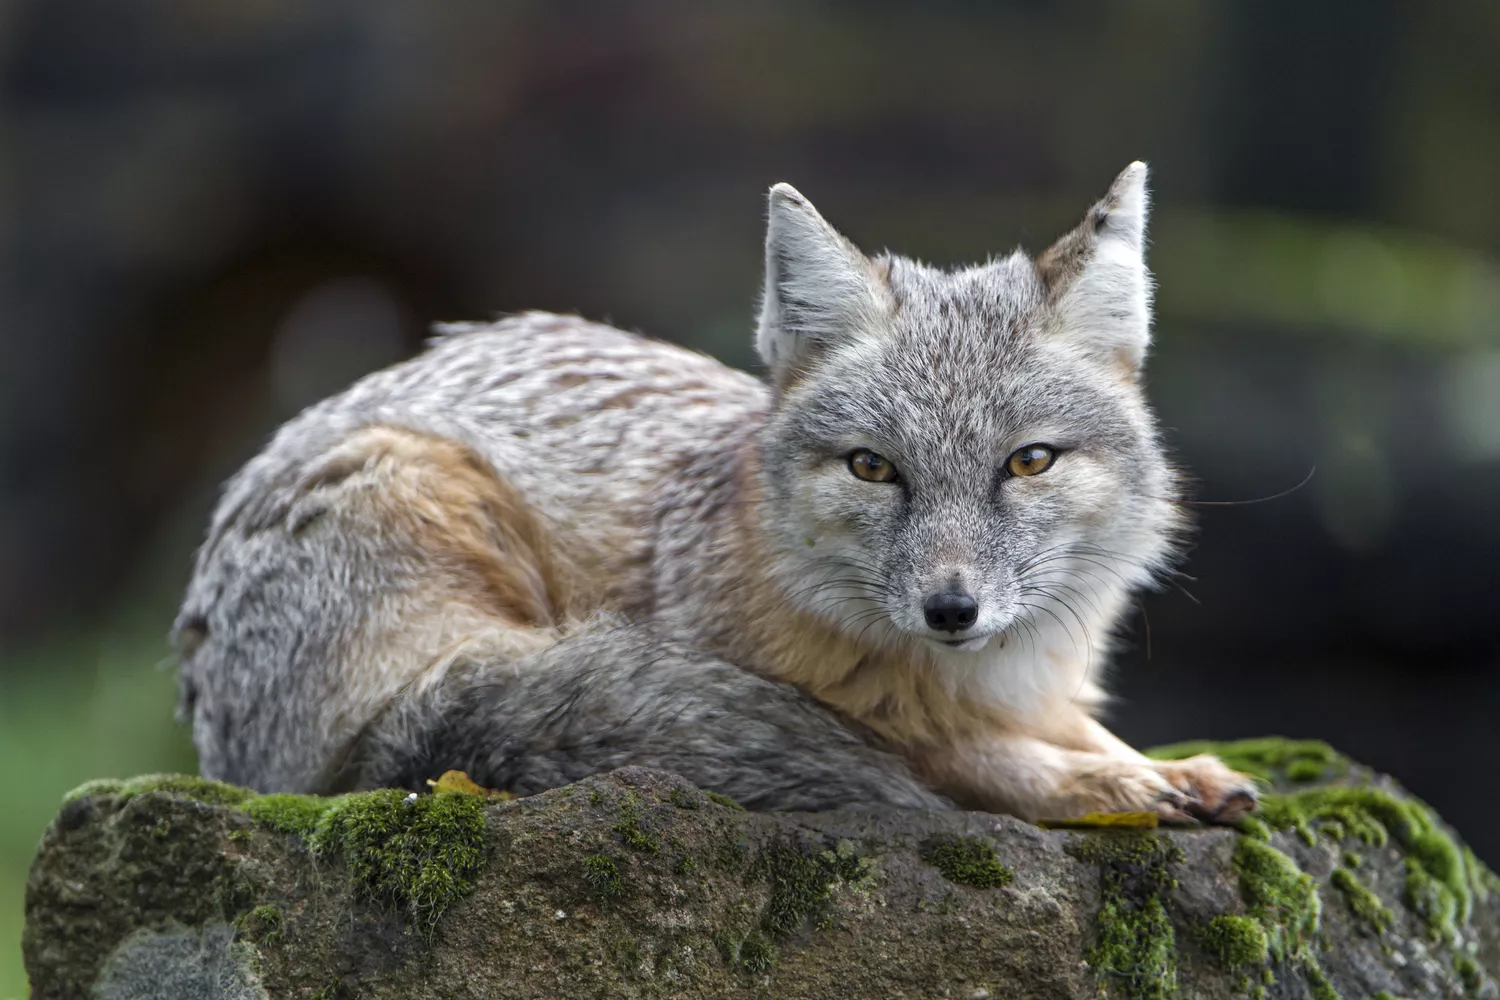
{"points": [[1208, 790], [1123, 787], [1179, 791]]}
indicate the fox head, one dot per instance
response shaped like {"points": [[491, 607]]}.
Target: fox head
{"points": [[964, 459]]}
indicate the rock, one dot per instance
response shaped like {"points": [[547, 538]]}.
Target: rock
{"points": [[635, 884]]}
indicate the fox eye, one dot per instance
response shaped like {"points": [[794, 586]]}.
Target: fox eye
{"points": [[1032, 460], [872, 467]]}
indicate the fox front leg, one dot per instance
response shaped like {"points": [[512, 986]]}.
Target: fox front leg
{"points": [[1037, 779], [1215, 793]]}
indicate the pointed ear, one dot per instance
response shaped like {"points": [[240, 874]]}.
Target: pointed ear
{"points": [[1096, 276], [819, 288]]}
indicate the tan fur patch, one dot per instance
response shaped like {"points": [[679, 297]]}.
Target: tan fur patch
{"points": [[452, 505], [480, 572]]}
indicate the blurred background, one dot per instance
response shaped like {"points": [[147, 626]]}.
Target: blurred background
{"points": [[213, 214]]}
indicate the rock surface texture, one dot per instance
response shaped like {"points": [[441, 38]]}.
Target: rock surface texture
{"points": [[635, 884]]}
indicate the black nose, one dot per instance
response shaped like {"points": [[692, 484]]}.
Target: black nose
{"points": [[951, 610]]}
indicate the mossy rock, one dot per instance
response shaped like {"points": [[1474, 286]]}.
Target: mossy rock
{"points": [[633, 884]]}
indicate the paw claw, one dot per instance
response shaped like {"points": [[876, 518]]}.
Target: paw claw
{"points": [[1177, 800], [1237, 803], [1216, 794]]}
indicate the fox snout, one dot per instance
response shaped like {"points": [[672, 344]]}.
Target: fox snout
{"points": [[951, 610], [956, 607]]}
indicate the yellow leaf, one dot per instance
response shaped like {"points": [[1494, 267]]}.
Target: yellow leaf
{"points": [[459, 783]]}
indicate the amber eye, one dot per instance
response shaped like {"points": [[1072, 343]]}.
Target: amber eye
{"points": [[872, 467], [1032, 460]]}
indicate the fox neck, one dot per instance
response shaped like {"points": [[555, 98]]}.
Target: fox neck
{"points": [[758, 612]]}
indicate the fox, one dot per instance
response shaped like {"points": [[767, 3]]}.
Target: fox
{"points": [[889, 574]]}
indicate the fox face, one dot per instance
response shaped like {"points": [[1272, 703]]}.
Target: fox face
{"points": [[964, 459]]}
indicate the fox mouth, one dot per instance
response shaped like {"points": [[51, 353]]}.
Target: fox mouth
{"points": [[972, 644]]}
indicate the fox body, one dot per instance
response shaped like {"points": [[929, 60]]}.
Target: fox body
{"points": [[886, 575]]}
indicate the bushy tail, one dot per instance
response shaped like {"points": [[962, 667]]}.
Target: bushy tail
{"points": [[613, 696]]}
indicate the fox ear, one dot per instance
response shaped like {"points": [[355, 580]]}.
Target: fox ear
{"points": [[819, 288], [1096, 275]]}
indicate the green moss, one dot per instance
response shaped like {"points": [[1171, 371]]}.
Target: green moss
{"points": [[1284, 900], [1482, 881], [757, 953], [684, 799], [98, 786], [1147, 853], [685, 866], [727, 943], [1306, 770], [1432, 902], [1469, 973], [334, 990], [723, 800], [730, 855], [1440, 876], [1236, 942], [190, 786], [265, 925], [1383, 995], [1318, 986], [1280, 896], [968, 861], [624, 953], [416, 853], [1365, 905], [293, 814], [419, 854], [237, 890], [1352, 860], [802, 880], [630, 830], [1135, 945], [1251, 826], [1269, 758], [603, 877]]}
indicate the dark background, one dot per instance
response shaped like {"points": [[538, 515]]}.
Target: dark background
{"points": [[214, 214]]}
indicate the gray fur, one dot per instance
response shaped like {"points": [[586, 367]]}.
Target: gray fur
{"points": [[326, 643], [617, 696]]}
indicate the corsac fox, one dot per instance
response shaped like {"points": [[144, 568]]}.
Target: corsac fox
{"points": [[886, 576]]}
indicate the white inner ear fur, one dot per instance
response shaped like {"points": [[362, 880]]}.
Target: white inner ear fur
{"points": [[819, 288], [1106, 306]]}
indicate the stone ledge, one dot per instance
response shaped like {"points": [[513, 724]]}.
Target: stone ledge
{"points": [[635, 884]]}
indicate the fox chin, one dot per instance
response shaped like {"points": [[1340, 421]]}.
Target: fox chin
{"points": [[885, 575]]}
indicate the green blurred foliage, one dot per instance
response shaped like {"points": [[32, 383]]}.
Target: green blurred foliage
{"points": [[87, 702]]}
